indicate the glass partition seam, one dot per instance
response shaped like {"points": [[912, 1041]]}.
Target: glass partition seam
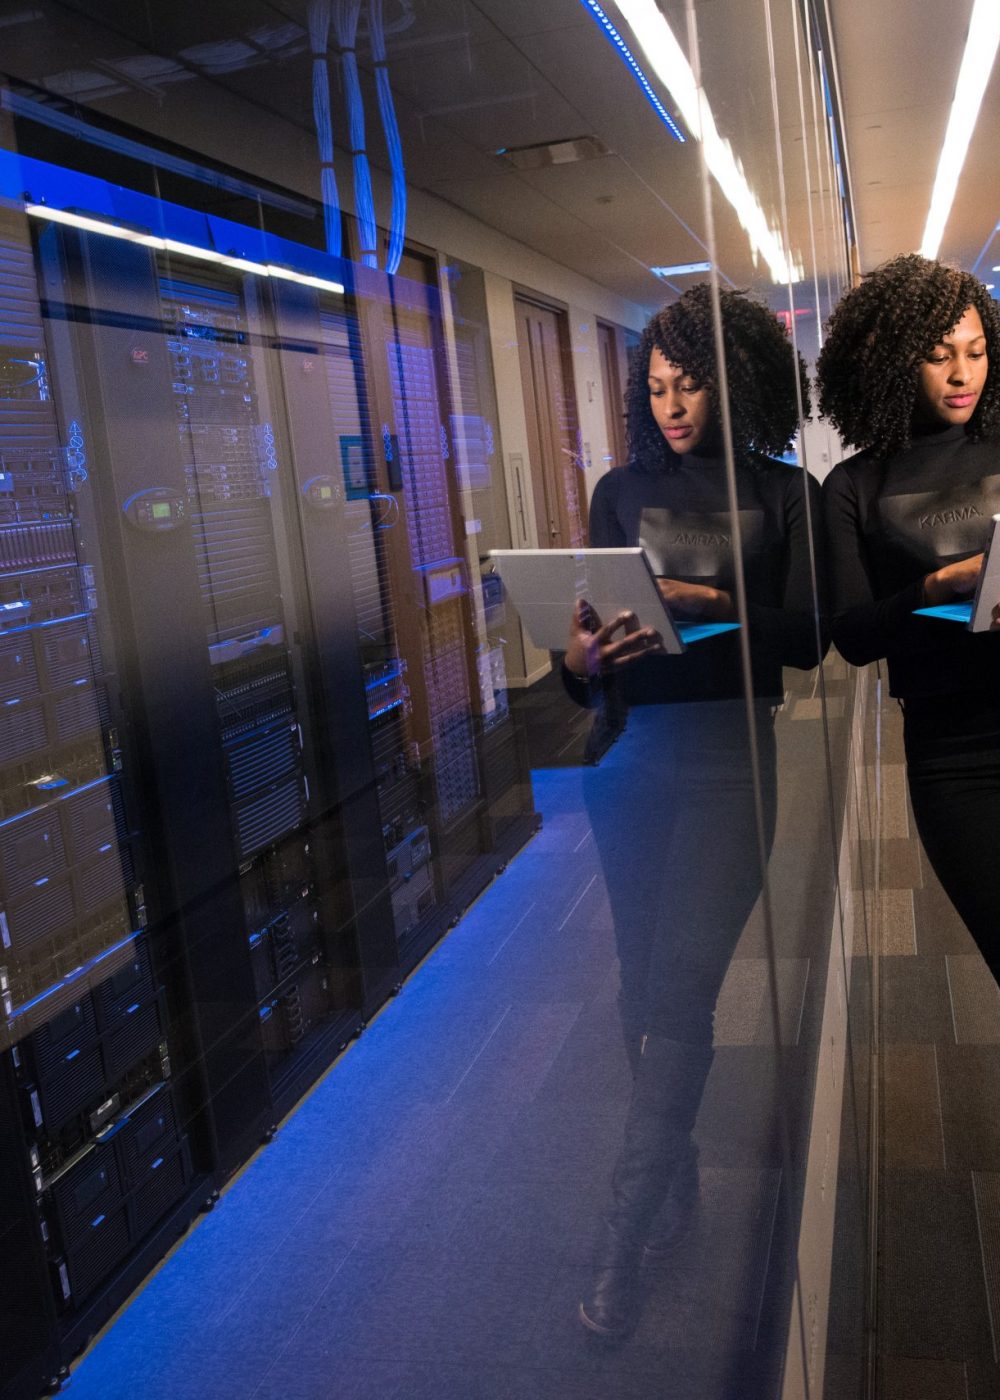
{"points": [[834, 217], [838, 104], [820, 152], [810, 522], [824, 178], [804, 466], [876, 1097], [784, 1131], [800, 404], [793, 6], [792, 321]]}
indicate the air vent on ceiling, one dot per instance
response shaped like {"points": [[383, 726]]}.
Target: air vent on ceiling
{"points": [[554, 152]]}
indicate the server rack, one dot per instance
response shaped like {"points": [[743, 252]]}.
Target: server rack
{"points": [[242, 775], [468, 804], [98, 1168]]}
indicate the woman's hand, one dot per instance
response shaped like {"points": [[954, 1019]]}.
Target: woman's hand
{"points": [[953, 581], [593, 649], [696, 600]]}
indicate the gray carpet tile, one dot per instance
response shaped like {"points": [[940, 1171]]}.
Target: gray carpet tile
{"points": [[913, 1132], [970, 1105], [920, 1378], [975, 1000], [933, 1300], [916, 1005]]}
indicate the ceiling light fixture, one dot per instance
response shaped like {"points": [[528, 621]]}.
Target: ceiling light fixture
{"points": [[171, 245], [671, 66], [681, 269], [973, 75]]}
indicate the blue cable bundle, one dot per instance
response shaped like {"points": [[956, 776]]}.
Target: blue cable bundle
{"points": [[387, 108], [347, 29], [319, 29]]}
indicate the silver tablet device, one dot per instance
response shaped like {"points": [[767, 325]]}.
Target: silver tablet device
{"points": [[545, 584], [988, 587]]}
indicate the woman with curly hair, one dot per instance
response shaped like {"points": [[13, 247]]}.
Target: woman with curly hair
{"points": [[906, 376], [672, 804]]}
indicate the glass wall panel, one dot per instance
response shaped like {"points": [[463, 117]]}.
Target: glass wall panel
{"points": [[306, 312]]}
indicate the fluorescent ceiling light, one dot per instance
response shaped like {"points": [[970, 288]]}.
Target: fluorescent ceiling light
{"points": [[681, 269], [83, 221], [973, 75], [671, 66], [192, 250], [171, 245], [288, 275]]}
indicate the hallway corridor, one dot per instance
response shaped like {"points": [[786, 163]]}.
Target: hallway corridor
{"points": [[422, 1225]]}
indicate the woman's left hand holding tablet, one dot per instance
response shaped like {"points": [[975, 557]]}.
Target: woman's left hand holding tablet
{"points": [[696, 600], [594, 648]]}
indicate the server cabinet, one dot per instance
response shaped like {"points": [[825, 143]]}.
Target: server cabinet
{"points": [[246, 774], [443, 776], [113, 376], [357, 677], [262, 643], [97, 1162]]}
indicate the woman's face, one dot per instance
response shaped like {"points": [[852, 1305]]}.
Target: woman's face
{"points": [[953, 375], [680, 406]]}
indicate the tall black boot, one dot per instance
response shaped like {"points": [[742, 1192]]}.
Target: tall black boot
{"points": [[669, 1082], [677, 1212]]}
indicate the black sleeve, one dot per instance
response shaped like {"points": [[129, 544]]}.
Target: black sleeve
{"points": [[586, 693], [788, 632], [864, 627], [604, 529]]}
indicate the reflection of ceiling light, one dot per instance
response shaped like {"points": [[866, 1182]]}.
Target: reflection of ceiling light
{"points": [[170, 245], [543, 153], [629, 60], [973, 75], [674, 71], [681, 269], [63, 216]]}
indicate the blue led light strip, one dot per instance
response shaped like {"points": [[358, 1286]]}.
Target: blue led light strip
{"points": [[629, 60], [46, 115]]}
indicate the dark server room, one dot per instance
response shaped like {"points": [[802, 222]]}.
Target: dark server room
{"points": [[416, 982]]}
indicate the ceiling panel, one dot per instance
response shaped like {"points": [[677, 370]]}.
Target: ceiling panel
{"points": [[470, 76]]}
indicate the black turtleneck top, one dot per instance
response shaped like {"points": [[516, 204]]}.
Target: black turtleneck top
{"points": [[680, 515], [889, 524]]}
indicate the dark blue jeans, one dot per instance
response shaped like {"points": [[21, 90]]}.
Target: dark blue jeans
{"points": [[953, 769], [671, 807]]}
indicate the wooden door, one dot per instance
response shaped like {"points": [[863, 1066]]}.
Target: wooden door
{"points": [[553, 433], [614, 401]]}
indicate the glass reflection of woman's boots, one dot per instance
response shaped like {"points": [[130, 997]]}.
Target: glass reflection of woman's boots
{"points": [[676, 1215], [654, 1180]]}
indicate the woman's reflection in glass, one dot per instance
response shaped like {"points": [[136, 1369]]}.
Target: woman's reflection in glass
{"points": [[671, 805]]}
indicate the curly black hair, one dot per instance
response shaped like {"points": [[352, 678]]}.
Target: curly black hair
{"points": [[879, 334], [760, 368]]}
